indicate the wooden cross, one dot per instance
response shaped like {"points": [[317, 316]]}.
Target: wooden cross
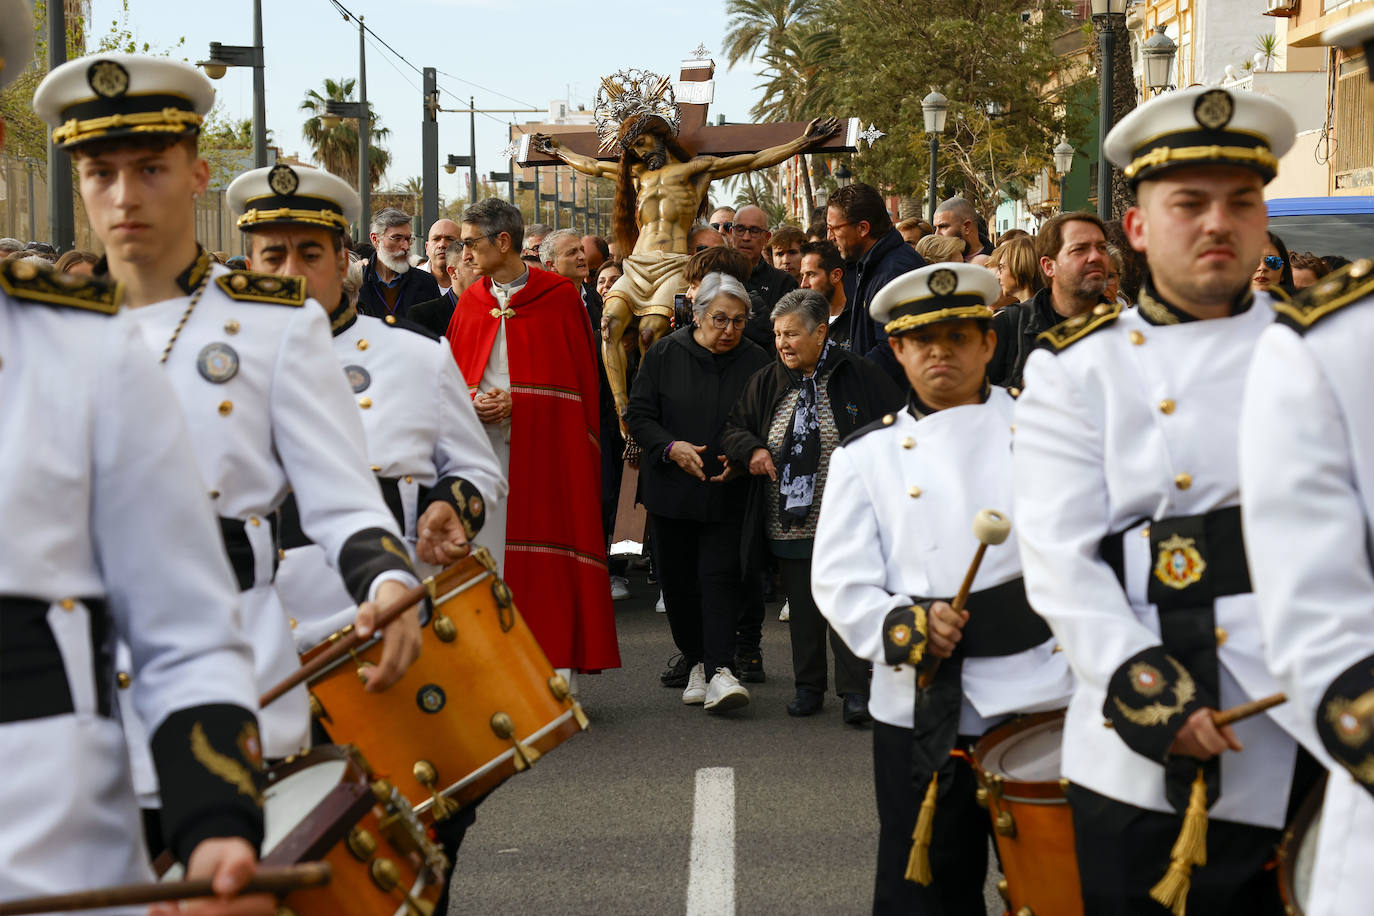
{"points": [[694, 93]]}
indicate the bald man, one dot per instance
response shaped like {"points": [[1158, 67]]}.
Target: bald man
{"points": [[442, 234], [956, 219]]}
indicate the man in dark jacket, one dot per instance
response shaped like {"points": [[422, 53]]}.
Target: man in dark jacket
{"points": [[751, 238], [1073, 257], [390, 287], [857, 221]]}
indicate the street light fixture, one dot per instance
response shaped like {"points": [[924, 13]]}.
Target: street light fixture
{"points": [[934, 109], [843, 176], [1158, 52], [222, 57], [1108, 16], [1063, 162], [457, 162]]}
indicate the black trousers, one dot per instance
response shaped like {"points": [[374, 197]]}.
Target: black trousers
{"points": [[698, 568], [809, 631], [1123, 851], [959, 846], [749, 627]]}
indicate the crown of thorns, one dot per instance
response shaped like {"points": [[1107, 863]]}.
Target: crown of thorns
{"points": [[630, 93]]}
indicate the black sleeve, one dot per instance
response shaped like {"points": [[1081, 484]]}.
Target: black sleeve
{"points": [[1343, 721], [644, 412], [366, 555], [1005, 324], [742, 431], [465, 499], [1149, 698], [209, 765]]}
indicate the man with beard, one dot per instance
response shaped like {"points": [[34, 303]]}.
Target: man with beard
{"points": [[389, 286], [660, 191], [1073, 256], [1127, 490], [822, 269], [956, 219]]}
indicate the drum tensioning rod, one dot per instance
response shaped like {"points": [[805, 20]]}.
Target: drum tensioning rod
{"points": [[267, 880]]}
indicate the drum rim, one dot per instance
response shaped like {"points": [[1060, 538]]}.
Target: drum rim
{"points": [[1303, 820], [1018, 790], [329, 821]]}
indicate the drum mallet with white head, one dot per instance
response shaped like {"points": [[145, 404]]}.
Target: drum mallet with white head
{"points": [[990, 527]]}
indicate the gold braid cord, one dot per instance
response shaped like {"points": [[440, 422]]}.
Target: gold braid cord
{"points": [[222, 765]]}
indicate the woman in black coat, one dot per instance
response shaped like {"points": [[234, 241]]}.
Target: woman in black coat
{"points": [[685, 389], [791, 416]]}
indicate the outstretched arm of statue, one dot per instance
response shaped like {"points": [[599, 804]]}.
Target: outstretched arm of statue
{"points": [[584, 164], [818, 131]]}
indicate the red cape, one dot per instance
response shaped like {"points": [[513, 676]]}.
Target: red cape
{"points": [[555, 546]]}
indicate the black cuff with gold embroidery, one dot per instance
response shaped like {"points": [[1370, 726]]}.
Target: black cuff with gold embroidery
{"points": [[1345, 721], [904, 635], [209, 765], [366, 555], [465, 499], [1149, 698]]}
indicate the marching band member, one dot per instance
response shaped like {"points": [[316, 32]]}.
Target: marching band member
{"points": [[1127, 502], [1307, 475], [248, 356], [111, 536], [429, 452], [893, 537]]}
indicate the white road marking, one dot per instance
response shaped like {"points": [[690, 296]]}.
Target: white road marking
{"points": [[711, 881]]}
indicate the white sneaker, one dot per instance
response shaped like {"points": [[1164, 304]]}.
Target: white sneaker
{"points": [[696, 686], [786, 613], [620, 588], [660, 606], [724, 692]]}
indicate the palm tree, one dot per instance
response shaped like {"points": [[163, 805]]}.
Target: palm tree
{"points": [[759, 25], [337, 148]]}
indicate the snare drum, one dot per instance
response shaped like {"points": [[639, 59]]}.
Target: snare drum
{"points": [[1018, 774], [1298, 853], [327, 805], [479, 705]]}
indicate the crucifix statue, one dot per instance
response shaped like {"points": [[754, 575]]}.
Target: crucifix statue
{"points": [[653, 140]]}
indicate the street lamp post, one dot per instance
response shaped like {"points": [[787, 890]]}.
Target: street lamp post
{"points": [[334, 110], [1063, 162], [1108, 15], [222, 57], [934, 108], [1158, 53], [461, 162]]}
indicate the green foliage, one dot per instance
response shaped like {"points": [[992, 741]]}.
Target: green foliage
{"points": [[337, 148]]}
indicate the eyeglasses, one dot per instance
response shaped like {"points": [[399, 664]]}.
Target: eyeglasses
{"points": [[1273, 262], [722, 227], [830, 228], [400, 239], [748, 231], [720, 321], [473, 243]]}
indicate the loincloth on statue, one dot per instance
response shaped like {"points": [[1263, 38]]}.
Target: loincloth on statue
{"points": [[650, 282]]}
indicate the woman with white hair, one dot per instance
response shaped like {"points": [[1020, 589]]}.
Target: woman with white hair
{"points": [[682, 395]]}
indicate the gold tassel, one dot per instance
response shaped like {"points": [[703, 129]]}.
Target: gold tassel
{"points": [[1190, 849], [918, 865]]}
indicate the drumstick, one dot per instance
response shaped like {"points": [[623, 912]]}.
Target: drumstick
{"points": [[1246, 710], [346, 644], [268, 880], [990, 527]]}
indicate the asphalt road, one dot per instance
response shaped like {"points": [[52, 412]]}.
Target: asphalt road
{"points": [[604, 824]]}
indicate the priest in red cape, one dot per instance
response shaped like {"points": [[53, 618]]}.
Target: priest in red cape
{"points": [[523, 341]]}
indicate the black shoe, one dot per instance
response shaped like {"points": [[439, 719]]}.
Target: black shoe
{"points": [[807, 702], [856, 709], [750, 667], [675, 675]]}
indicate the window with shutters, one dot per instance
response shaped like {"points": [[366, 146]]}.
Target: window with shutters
{"points": [[1354, 153]]}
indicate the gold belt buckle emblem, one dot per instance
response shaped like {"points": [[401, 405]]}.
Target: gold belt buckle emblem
{"points": [[1179, 564]]}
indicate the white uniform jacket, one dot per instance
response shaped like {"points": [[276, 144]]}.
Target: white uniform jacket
{"points": [[108, 533], [896, 526], [1307, 475], [423, 440], [1129, 421], [269, 412]]}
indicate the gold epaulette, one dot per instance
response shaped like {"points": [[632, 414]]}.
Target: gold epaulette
{"points": [[28, 282], [1076, 328], [251, 286], [1349, 284]]}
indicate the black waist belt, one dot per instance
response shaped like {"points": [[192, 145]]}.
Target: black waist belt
{"points": [[1195, 559], [33, 676], [1001, 622], [240, 551], [292, 535]]}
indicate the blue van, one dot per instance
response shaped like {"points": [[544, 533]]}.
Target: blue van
{"points": [[1325, 225]]}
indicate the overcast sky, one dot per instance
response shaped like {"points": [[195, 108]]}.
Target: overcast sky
{"points": [[505, 54]]}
